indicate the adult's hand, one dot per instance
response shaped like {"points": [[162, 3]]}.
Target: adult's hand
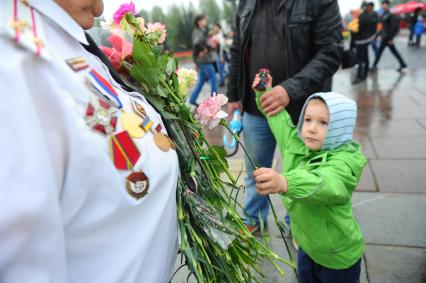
{"points": [[232, 106], [275, 100]]}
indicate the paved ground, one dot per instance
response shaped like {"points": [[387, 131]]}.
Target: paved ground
{"points": [[390, 201]]}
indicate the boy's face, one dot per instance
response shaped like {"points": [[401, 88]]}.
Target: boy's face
{"points": [[315, 124]]}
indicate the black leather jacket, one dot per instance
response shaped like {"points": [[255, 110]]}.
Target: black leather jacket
{"points": [[313, 52]]}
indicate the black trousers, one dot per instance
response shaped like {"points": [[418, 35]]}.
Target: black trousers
{"points": [[363, 60], [386, 43]]}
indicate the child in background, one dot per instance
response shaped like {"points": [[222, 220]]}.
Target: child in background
{"points": [[321, 168]]}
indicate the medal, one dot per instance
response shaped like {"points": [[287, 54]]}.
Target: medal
{"points": [[101, 117], [132, 124], [137, 184], [162, 141], [77, 64], [124, 152]]}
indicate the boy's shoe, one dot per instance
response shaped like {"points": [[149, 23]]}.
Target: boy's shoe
{"points": [[295, 245], [252, 228]]}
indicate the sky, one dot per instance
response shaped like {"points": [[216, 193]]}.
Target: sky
{"points": [[112, 5]]}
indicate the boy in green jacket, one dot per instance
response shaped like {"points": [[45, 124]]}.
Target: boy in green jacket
{"points": [[321, 168]]}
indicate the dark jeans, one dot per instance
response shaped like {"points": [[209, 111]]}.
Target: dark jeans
{"points": [[392, 48], [363, 61], [311, 272]]}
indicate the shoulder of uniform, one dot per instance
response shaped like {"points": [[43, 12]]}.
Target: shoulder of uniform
{"points": [[23, 24]]}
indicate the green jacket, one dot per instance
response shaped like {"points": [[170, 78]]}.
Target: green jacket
{"points": [[320, 186]]}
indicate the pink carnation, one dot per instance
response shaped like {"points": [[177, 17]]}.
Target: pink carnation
{"points": [[122, 11], [210, 110]]}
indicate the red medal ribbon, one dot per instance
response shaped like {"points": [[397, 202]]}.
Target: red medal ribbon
{"points": [[124, 152]]}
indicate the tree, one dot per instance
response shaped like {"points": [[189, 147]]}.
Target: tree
{"points": [[211, 10], [228, 13], [144, 14], [157, 15]]}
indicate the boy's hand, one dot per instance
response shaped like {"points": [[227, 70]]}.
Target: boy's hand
{"points": [[257, 81], [269, 181]]}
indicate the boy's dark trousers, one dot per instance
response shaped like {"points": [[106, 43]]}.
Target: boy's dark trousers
{"points": [[311, 272]]}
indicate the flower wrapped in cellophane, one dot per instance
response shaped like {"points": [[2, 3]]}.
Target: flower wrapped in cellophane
{"points": [[216, 244]]}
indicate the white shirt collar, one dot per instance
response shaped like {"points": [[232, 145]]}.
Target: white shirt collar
{"points": [[50, 9]]}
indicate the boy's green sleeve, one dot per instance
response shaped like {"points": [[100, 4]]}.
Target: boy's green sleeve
{"points": [[280, 124], [330, 183]]}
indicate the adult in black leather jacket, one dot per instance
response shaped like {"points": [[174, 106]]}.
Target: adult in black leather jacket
{"points": [[312, 37], [299, 42]]}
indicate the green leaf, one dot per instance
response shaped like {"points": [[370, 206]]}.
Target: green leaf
{"points": [[162, 62], [156, 50], [217, 156], [175, 82], [146, 74], [143, 54], [156, 101], [161, 92], [171, 66], [184, 112]]}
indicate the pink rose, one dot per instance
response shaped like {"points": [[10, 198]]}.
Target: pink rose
{"points": [[157, 31], [122, 11], [210, 110]]}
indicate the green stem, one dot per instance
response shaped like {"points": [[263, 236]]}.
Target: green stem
{"points": [[171, 93], [277, 222]]}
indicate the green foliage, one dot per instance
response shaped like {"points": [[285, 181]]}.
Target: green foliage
{"points": [[211, 9], [179, 20]]}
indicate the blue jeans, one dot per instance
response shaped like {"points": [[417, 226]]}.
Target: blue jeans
{"points": [[220, 70], [260, 144], [205, 73], [312, 272]]}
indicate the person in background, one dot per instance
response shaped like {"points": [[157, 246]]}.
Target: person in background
{"points": [[365, 35], [217, 36], [413, 20], [419, 29], [299, 42], [203, 58], [389, 31]]}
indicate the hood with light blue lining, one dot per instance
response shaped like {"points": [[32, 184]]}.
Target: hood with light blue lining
{"points": [[342, 118]]}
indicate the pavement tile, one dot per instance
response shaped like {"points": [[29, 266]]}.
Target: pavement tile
{"points": [[403, 176], [400, 113], [367, 182], [395, 128], [366, 146], [422, 122], [396, 264], [400, 147], [391, 219]]}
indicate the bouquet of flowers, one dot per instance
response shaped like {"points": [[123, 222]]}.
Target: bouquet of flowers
{"points": [[216, 245]]}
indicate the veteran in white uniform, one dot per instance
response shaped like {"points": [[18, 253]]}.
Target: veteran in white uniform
{"points": [[84, 197]]}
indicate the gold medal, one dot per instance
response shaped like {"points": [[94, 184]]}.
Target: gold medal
{"points": [[162, 141], [172, 143], [131, 123], [137, 184]]}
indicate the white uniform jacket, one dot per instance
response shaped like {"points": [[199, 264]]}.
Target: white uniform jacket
{"points": [[65, 213]]}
